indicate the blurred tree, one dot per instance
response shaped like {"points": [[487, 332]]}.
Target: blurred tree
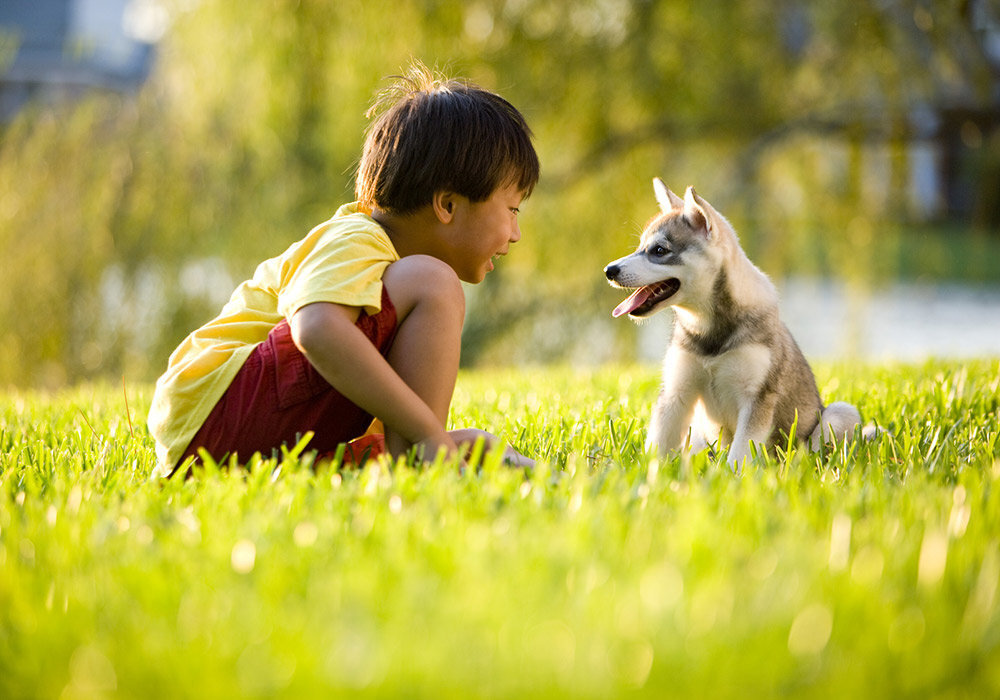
{"points": [[124, 222]]}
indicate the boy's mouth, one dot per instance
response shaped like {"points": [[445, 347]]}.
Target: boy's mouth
{"points": [[643, 299]]}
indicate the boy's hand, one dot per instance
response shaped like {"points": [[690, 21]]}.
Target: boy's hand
{"points": [[467, 437], [428, 448]]}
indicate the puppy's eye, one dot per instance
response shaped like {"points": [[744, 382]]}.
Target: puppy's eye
{"points": [[658, 251]]}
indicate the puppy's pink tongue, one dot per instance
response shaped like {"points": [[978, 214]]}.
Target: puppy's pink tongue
{"points": [[633, 302]]}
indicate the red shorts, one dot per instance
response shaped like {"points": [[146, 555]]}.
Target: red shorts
{"points": [[278, 396]]}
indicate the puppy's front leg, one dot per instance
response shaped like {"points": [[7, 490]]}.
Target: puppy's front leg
{"points": [[669, 424], [754, 423], [671, 419]]}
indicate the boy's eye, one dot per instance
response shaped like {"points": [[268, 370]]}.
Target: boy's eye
{"points": [[515, 211]]}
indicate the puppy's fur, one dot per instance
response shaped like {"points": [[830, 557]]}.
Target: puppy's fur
{"points": [[732, 372]]}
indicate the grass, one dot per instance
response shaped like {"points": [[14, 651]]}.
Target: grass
{"points": [[871, 571]]}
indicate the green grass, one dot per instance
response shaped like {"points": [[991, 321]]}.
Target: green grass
{"points": [[868, 572]]}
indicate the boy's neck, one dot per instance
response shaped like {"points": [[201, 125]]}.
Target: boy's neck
{"points": [[410, 234]]}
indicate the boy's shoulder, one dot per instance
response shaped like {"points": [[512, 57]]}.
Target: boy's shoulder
{"points": [[356, 212], [352, 220], [339, 260], [350, 234], [350, 228]]}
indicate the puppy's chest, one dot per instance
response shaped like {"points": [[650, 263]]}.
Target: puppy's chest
{"points": [[731, 380]]}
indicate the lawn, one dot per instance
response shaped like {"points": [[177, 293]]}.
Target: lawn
{"points": [[870, 571]]}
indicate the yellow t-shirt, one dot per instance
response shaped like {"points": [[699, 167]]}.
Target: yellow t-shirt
{"points": [[340, 261]]}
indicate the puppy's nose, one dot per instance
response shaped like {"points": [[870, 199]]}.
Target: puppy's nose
{"points": [[611, 271]]}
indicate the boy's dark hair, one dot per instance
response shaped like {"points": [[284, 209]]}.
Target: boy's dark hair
{"points": [[437, 134]]}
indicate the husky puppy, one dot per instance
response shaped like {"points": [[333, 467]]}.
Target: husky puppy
{"points": [[732, 371]]}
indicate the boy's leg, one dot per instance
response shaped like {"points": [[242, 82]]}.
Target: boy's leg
{"points": [[277, 396], [430, 312]]}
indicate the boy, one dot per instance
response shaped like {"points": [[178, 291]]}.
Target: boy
{"points": [[363, 317]]}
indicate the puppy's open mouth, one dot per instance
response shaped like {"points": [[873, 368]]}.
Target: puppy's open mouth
{"points": [[642, 300]]}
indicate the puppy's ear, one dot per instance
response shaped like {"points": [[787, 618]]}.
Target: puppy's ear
{"points": [[696, 211], [667, 200]]}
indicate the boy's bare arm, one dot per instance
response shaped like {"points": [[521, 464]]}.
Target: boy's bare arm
{"points": [[325, 333]]}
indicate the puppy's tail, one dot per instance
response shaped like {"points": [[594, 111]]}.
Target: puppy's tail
{"points": [[838, 421]]}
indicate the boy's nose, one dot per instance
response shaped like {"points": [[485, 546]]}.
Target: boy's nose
{"points": [[515, 235]]}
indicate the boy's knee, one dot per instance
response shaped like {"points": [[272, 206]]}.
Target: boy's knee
{"points": [[424, 280]]}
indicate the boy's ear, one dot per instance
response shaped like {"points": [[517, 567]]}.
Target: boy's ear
{"points": [[443, 204]]}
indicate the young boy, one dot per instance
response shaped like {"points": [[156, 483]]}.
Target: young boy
{"points": [[362, 317]]}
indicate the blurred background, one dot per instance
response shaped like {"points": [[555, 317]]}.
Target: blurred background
{"points": [[152, 152]]}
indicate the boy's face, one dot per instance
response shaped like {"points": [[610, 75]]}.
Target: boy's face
{"points": [[482, 231]]}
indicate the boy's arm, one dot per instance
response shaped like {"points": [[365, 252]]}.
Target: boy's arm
{"points": [[325, 333]]}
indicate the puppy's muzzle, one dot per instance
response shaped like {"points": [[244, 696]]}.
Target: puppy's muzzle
{"points": [[612, 271]]}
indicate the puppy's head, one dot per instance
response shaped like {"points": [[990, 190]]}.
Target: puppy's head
{"points": [[676, 261]]}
